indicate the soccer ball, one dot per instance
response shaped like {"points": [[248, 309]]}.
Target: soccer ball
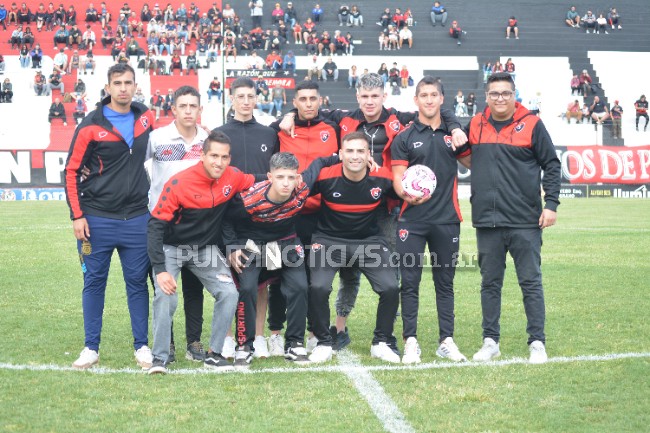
{"points": [[419, 181]]}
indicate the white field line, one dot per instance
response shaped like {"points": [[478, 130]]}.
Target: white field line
{"points": [[381, 404], [336, 368]]}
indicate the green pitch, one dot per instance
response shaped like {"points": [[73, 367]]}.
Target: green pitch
{"points": [[596, 267]]}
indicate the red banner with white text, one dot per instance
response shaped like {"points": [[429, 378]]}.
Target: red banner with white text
{"points": [[603, 164]]}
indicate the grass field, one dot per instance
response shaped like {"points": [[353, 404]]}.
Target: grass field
{"points": [[596, 266]]}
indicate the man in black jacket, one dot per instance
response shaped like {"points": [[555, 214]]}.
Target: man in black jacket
{"points": [[254, 145], [510, 149], [57, 111], [107, 191]]}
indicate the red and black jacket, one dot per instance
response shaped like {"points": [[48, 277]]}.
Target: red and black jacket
{"points": [[190, 210], [507, 170], [313, 139], [117, 186]]}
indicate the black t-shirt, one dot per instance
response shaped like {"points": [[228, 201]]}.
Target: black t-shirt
{"points": [[419, 144], [376, 133], [349, 209]]}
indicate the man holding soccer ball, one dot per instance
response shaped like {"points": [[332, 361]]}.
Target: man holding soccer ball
{"points": [[433, 219], [510, 148]]}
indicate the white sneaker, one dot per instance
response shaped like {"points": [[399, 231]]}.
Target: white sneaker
{"points": [[228, 350], [411, 351], [449, 350], [489, 350], [261, 348], [143, 357], [537, 353], [276, 345], [321, 354], [87, 359], [383, 352], [312, 342]]}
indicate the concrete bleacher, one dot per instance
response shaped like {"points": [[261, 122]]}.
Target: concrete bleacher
{"points": [[546, 54], [625, 84]]}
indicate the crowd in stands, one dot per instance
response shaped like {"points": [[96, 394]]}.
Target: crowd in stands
{"points": [[176, 39], [592, 23]]}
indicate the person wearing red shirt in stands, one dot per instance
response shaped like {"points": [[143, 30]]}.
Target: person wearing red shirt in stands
{"points": [[273, 61], [398, 18], [512, 28], [456, 32]]}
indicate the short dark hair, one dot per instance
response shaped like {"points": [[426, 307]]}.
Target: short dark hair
{"points": [[241, 82], [500, 76], [119, 69], [285, 160], [186, 90], [307, 84], [215, 136], [429, 80], [356, 135]]}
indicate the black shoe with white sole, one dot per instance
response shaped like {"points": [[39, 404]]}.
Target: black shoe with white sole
{"points": [[296, 353], [215, 361]]}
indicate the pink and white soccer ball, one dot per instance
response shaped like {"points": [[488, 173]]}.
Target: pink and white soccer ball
{"points": [[419, 181]]}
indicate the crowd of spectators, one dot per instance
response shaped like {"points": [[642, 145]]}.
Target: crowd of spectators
{"points": [[592, 23]]}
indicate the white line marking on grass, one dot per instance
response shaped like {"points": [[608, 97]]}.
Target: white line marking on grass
{"points": [[381, 404], [334, 368]]}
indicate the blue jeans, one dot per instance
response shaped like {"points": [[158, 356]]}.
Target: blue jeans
{"points": [[129, 237], [24, 62], [212, 93], [278, 105], [268, 107]]}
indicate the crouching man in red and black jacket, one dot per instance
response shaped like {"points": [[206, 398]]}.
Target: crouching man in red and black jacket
{"points": [[184, 231]]}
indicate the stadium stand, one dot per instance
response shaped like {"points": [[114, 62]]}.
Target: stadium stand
{"points": [[546, 54]]}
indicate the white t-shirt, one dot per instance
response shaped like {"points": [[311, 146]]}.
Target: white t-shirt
{"points": [[169, 155]]}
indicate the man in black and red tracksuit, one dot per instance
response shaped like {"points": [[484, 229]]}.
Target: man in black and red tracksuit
{"points": [[347, 235], [261, 240], [107, 192], [314, 137], [380, 125], [434, 220], [251, 153], [510, 149], [184, 231]]}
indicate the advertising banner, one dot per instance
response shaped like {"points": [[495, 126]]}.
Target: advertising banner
{"points": [[272, 77]]}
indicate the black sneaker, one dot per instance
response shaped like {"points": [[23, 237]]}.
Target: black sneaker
{"points": [[296, 353], [195, 352], [342, 340], [215, 361], [172, 354], [243, 357], [157, 367]]}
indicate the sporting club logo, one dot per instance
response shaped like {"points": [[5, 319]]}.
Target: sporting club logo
{"points": [[227, 190], [316, 246], [403, 234], [394, 125], [520, 127], [417, 144], [263, 148], [344, 127], [375, 193], [324, 136], [448, 140], [300, 251], [102, 134], [144, 121], [336, 194]]}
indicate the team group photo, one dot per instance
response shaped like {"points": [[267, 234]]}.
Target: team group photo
{"points": [[341, 237]]}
